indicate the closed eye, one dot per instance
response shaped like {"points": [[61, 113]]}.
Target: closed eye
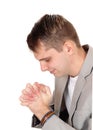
{"points": [[45, 59]]}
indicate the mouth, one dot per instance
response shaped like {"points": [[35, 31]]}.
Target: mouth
{"points": [[53, 72]]}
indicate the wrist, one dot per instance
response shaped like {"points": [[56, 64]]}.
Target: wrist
{"points": [[47, 116], [40, 114]]}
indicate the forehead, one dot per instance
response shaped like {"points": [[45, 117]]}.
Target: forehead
{"points": [[42, 52]]}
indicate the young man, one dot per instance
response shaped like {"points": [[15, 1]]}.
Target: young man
{"points": [[55, 44]]}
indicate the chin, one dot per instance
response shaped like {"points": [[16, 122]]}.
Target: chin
{"points": [[58, 75]]}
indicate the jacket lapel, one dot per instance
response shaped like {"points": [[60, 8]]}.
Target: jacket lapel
{"points": [[77, 92], [60, 84]]}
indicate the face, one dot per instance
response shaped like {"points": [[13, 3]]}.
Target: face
{"points": [[51, 60]]}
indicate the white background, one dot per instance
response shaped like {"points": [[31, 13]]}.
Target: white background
{"points": [[17, 64]]}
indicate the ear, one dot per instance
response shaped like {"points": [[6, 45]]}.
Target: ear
{"points": [[68, 47]]}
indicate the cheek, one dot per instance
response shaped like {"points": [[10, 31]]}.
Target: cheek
{"points": [[54, 63], [62, 64], [59, 63]]}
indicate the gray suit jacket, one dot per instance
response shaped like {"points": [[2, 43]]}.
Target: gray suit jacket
{"points": [[80, 113]]}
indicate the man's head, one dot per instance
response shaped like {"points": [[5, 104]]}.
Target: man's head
{"points": [[54, 42], [53, 31]]}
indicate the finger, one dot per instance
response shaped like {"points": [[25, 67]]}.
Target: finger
{"points": [[29, 89], [41, 87], [36, 88], [24, 98], [25, 103], [48, 91]]}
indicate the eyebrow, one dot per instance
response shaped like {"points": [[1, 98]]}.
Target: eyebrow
{"points": [[44, 59]]}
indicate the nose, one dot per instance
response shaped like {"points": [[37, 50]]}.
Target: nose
{"points": [[43, 66]]}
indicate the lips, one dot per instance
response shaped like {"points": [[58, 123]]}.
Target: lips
{"points": [[52, 72]]}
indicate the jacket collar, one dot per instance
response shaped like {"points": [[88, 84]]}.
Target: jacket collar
{"points": [[88, 63]]}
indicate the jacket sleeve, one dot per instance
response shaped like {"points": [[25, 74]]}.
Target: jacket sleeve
{"points": [[56, 123]]}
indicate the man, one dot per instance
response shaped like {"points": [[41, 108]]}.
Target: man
{"points": [[55, 44]]}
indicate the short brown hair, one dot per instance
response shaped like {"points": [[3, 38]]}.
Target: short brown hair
{"points": [[53, 31]]}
